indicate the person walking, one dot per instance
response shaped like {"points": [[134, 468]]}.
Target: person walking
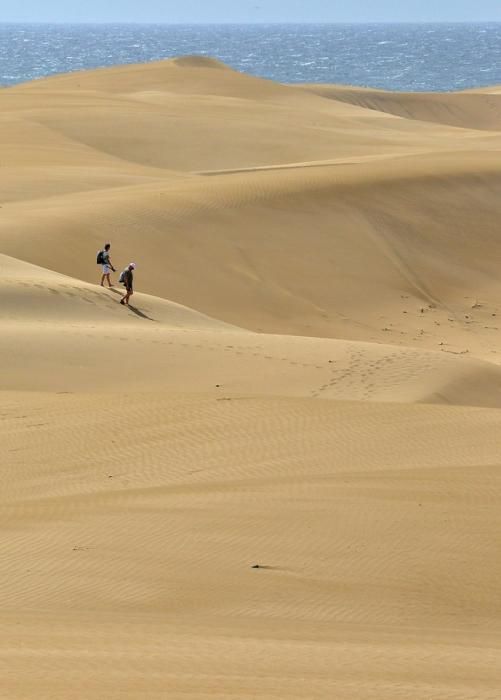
{"points": [[127, 278], [104, 257]]}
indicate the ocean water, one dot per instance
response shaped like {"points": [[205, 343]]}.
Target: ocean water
{"points": [[413, 57]]}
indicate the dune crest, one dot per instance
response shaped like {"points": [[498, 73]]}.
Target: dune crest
{"points": [[199, 62]]}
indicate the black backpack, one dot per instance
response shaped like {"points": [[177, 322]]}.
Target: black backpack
{"points": [[100, 260]]}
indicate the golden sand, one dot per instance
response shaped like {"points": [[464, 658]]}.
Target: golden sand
{"points": [[308, 382]]}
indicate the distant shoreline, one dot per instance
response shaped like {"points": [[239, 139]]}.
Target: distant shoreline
{"points": [[397, 57], [253, 24]]}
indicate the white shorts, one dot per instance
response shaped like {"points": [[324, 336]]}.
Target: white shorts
{"points": [[106, 269]]}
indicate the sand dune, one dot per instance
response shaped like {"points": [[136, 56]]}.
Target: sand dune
{"points": [[307, 381], [468, 109], [162, 346], [192, 118], [409, 228]]}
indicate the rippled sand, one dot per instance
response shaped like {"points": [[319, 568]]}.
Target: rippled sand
{"points": [[276, 474]]}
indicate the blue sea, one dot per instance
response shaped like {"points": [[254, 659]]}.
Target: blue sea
{"points": [[412, 57]]}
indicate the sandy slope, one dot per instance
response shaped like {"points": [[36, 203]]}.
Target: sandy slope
{"points": [[424, 233], [467, 109], [151, 456], [162, 346]]}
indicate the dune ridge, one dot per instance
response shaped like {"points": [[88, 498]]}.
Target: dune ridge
{"points": [[276, 475], [465, 109]]}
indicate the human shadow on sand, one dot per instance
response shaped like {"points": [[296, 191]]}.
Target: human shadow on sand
{"points": [[140, 313], [134, 309]]}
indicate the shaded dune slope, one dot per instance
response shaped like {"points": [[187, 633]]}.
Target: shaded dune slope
{"points": [[469, 109]]}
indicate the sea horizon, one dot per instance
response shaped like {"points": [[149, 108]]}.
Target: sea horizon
{"points": [[251, 24], [398, 56]]}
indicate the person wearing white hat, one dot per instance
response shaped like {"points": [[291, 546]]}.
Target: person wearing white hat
{"points": [[127, 277]]}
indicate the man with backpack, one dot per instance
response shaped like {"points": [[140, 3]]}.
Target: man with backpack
{"points": [[103, 259], [127, 279]]}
